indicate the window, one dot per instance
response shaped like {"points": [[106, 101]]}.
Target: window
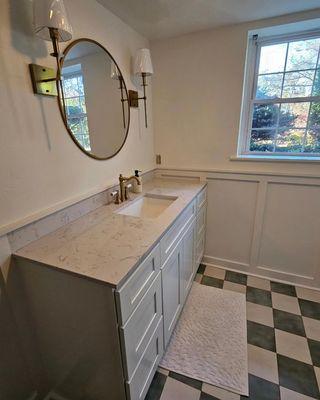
{"points": [[75, 104], [281, 109]]}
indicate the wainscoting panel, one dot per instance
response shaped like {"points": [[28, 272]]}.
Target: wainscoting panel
{"points": [[262, 224], [230, 219], [290, 230]]}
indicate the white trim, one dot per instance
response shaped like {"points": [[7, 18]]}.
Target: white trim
{"points": [[254, 46], [171, 171], [251, 261], [275, 158], [285, 273], [292, 37], [206, 261]]}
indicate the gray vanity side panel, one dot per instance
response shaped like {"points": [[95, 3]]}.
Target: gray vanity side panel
{"points": [[75, 332]]}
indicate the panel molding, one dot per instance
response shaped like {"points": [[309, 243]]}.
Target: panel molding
{"points": [[309, 276]]}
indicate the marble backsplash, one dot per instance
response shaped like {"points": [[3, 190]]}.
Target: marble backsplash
{"points": [[35, 230]]}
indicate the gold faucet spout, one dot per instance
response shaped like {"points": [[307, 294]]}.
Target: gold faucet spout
{"points": [[122, 181]]}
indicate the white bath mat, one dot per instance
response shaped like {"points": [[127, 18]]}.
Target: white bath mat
{"points": [[209, 342]]}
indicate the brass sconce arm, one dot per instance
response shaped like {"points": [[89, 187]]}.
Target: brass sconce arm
{"points": [[134, 97], [144, 98]]}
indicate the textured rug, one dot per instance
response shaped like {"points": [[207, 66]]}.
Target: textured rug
{"points": [[209, 342]]}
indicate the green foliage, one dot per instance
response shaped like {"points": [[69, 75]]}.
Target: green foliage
{"points": [[265, 116]]}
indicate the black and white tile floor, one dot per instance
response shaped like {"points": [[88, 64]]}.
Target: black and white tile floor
{"points": [[283, 326]]}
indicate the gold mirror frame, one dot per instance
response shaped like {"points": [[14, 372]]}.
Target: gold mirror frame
{"points": [[61, 98]]}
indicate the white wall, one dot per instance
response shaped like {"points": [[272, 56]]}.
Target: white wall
{"points": [[41, 169], [263, 217], [197, 90], [40, 165]]}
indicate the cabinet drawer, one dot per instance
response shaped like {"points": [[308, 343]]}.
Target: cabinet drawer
{"points": [[129, 296], [136, 333], [201, 198], [171, 238], [138, 386], [201, 220]]}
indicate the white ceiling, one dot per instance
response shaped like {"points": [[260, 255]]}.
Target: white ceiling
{"points": [[165, 18]]}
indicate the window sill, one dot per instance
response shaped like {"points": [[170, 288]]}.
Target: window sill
{"points": [[288, 159]]}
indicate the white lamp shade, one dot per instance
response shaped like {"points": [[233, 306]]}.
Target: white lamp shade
{"points": [[142, 63], [115, 73], [51, 14]]}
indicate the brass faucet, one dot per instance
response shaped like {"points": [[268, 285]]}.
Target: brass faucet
{"points": [[122, 182]]}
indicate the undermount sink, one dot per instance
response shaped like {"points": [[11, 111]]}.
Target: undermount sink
{"points": [[148, 206]]}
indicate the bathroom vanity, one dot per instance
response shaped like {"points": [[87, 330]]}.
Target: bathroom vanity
{"points": [[104, 293]]}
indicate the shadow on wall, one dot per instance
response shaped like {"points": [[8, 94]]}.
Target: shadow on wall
{"points": [[24, 41], [23, 38]]}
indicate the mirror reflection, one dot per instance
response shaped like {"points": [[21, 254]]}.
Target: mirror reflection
{"points": [[94, 99]]}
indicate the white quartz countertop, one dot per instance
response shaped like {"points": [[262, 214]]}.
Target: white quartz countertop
{"points": [[106, 246]]}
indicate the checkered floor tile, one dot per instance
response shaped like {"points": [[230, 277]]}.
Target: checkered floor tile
{"points": [[283, 325]]}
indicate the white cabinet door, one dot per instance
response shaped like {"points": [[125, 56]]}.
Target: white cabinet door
{"points": [[171, 291], [188, 259]]}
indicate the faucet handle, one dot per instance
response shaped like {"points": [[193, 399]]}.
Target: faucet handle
{"points": [[115, 195]]}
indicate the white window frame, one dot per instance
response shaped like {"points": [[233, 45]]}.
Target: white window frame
{"points": [[76, 73], [249, 89]]}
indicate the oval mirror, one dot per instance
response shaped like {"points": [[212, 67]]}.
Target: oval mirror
{"points": [[93, 99]]}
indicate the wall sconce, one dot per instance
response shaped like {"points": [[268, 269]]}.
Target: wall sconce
{"points": [[142, 65], [116, 75], [51, 23]]}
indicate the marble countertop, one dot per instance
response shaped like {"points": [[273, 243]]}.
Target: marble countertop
{"points": [[107, 246]]}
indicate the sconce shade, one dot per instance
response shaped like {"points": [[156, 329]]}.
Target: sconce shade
{"points": [[142, 63], [51, 14], [115, 73]]}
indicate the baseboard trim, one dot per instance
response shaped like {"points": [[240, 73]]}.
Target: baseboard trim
{"points": [[224, 262], [284, 273], [211, 261]]}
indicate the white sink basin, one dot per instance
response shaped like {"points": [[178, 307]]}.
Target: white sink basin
{"points": [[148, 206]]}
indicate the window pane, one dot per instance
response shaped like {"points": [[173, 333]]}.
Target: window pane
{"points": [[303, 54], [262, 140], [316, 84], [85, 128], [83, 105], [312, 144], [75, 126], [73, 106], [298, 84], [290, 140], [68, 88], [314, 119], [265, 115], [286, 71], [71, 84], [294, 115], [80, 85], [272, 58], [269, 86]]}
